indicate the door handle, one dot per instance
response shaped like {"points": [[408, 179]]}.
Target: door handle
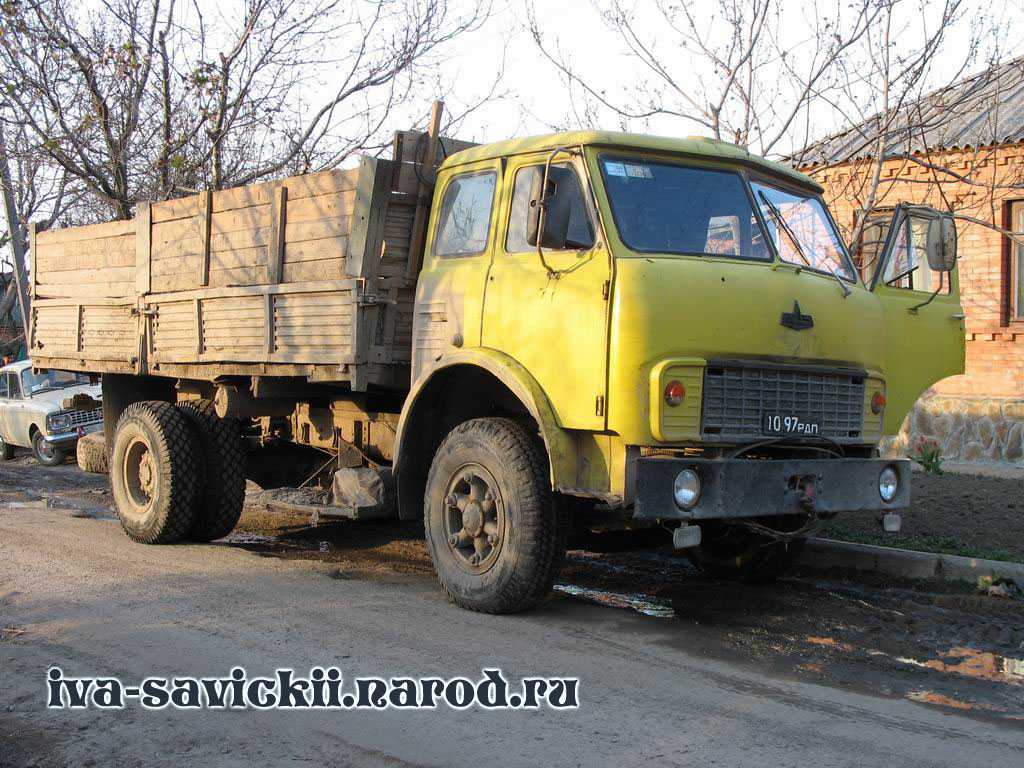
{"points": [[958, 316]]}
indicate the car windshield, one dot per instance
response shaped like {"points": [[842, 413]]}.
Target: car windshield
{"points": [[662, 207], [802, 232], [37, 382]]}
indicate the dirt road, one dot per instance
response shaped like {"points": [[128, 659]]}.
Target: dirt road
{"points": [[673, 669]]}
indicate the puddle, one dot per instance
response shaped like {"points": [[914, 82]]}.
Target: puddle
{"points": [[971, 662], [639, 603], [255, 542], [77, 509]]}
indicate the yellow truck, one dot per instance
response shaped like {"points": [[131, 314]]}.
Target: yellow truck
{"points": [[547, 332]]}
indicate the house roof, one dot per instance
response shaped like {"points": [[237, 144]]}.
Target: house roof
{"points": [[693, 145], [984, 109]]}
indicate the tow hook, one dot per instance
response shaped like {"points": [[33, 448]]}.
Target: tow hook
{"points": [[806, 501]]}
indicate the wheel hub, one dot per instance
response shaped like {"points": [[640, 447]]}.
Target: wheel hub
{"points": [[474, 518], [146, 474]]}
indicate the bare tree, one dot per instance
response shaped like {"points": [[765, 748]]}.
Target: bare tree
{"points": [[724, 67], [129, 100]]}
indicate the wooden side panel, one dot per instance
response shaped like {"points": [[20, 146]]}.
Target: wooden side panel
{"points": [[54, 329], [314, 326], [108, 329], [397, 238], [175, 331], [74, 264], [317, 223], [234, 324]]}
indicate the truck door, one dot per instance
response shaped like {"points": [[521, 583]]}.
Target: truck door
{"points": [[555, 326], [924, 320]]}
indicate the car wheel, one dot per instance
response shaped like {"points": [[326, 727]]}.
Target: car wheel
{"points": [[46, 454], [6, 450]]}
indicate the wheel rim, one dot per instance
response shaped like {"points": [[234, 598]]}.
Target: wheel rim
{"points": [[139, 474], [474, 518], [46, 451]]}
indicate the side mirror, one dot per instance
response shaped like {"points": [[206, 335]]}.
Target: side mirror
{"points": [[557, 202], [941, 244]]}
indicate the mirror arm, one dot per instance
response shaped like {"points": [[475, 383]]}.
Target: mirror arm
{"points": [[553, 274], [942, 284]]}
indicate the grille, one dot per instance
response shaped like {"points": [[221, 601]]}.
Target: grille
{"points": [[737, 396], [81, 418]]}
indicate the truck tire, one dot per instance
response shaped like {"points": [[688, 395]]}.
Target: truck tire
{"points": [[495, 534], [6, 450], [735, 553], [155, 472], [92, 453], [223, 495], [46, 454]]}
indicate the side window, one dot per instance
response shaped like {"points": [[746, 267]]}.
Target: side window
{"points": [[14, 386], [464, 220], [907, 266], [581, 233], [3, 385]]}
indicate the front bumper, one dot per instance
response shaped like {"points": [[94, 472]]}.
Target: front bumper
{"points": [[733, 488], [70, 438]]}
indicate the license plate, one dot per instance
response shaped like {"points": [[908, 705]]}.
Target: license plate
{"points": [[779, 424]]}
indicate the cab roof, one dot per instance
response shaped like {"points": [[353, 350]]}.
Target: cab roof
{"points": [[692, 145]]}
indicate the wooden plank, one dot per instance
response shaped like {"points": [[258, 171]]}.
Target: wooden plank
{"points": [[321, 207], [87, 232], [254, 217], [48, 262], [143, 232], [243, 238], [370, 191], [314, 250], [89, 276], [313, 286], [174, 231], [326, 269], [321, 183], [413, 144], [317, 229], [241, 197], [232, 276], [419, 224], [275, 254], [89, 290], [179, 208], [33, 249], [203, 223]]}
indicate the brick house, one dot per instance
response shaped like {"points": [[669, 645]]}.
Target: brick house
{"points": [[959, 149]]}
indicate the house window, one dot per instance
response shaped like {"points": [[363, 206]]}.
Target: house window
{"points": [[1017, 261]]}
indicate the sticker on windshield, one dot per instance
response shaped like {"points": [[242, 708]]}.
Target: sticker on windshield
{"points": [[639, 172], [615, 169]]}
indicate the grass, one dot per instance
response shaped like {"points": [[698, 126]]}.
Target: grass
{"points": [[943, 545]]}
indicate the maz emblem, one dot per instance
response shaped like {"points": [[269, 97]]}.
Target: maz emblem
{"points": [[796, 320]]}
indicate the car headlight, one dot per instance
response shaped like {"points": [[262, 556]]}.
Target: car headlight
{"points": [[58, 422], [888, 484], [686, 489]]}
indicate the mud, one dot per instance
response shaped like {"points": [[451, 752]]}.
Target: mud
{"points": [[936, 644]]}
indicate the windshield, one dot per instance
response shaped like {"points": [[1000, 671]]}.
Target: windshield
{"points": [[37, 382], [662, 207], [801, 231]]}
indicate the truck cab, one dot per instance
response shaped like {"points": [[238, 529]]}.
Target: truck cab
{"points": [[682, 324]]}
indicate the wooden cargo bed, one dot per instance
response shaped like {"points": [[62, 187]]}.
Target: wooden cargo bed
{"points": [[310, 276]]}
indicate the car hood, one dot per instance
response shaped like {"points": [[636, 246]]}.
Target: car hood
{"points": [[58, 396]]}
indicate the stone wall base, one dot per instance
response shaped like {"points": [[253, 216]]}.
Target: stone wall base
{"points": [[975, 429]]}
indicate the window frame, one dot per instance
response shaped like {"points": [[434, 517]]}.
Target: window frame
{"points": [[857, 279], [580, 184], [697, 166], [1014, 270], [18, 392], [490, 214]]}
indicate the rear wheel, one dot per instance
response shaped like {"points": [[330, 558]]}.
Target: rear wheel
{"points": [[47, 454], [6, 450], [223, 495], [495, 534], [155, 472], [736, 553]]}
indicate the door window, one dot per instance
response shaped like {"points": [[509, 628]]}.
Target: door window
{"points": [[907, 266], [13, 386], [3, 385], [464, 221], [581, 233]]}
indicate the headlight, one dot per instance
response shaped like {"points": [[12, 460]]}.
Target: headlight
{"points": [[888, 484], [58, 422], [686, 489]]}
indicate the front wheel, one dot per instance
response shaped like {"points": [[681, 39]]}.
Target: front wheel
{"points": [[47, 454], [495, 534]]}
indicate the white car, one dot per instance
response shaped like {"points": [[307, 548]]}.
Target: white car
{"points": [[46, 412]]}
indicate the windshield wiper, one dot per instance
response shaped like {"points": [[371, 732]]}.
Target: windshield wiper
{"points": [[777, 215]]}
